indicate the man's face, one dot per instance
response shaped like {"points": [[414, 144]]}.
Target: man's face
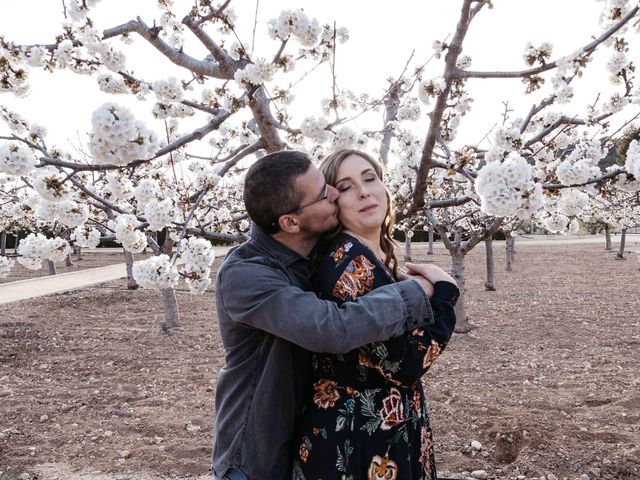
{"points": [[318, 211]]}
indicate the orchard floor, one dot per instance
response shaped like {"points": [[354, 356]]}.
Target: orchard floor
{"points": [[548, 382]]}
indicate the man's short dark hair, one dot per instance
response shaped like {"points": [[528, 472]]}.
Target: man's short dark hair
{"points": [[269, 189]]}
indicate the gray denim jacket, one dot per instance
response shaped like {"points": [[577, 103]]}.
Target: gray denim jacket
{"points": [[269, 321]]}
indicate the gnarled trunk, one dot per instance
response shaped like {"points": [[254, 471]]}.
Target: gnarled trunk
{"points": [[623, 236], [131, 282], [52, 267], [171, 324], [488, 246], [430, 250], [457, 268], [607, 237]]}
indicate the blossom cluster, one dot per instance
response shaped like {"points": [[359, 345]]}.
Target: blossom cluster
{"points": [[36, 247], [295, 23], [256, 73], [632, 163], [156, 273], [118, 138], [507, 188], [86, 237], [6, 264], [197, 256], [132, 240], [16, 159]]}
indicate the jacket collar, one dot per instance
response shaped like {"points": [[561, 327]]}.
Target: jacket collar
{"points": [[275, 249]]}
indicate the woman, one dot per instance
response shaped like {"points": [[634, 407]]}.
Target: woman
{"points": [[366, 416]]}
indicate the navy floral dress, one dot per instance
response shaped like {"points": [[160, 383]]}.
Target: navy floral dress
{"points": [[366, 416]]}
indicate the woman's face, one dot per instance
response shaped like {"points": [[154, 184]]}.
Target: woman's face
{"points": [[363, 197]]}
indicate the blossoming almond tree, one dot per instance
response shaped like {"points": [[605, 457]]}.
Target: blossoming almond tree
{"points": [[131, 181]]}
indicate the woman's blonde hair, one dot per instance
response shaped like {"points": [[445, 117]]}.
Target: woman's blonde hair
{"points": [[329, 168]]}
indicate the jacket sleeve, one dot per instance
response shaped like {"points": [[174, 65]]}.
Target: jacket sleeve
{"points": [[260, 296]]}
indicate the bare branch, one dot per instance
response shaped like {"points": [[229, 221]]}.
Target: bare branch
{"points": [[588, 49]]}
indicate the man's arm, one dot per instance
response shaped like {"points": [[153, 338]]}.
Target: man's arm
{"points": [[262, 297]]}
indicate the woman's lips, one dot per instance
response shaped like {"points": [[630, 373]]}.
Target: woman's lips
{"points": [[368, 208]]}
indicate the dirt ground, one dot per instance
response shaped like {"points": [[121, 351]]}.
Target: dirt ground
{"points": [[548, 382]]}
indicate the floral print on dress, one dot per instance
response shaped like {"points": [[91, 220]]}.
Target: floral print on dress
{"points": [[365, 415], [382, 469], [338, 254], [357, 279], [326, 394]]}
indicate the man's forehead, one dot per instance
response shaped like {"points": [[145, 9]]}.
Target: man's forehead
{"points": [[311, 183]]}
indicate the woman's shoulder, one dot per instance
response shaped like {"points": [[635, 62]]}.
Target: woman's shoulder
{"points": [[341, 250]]}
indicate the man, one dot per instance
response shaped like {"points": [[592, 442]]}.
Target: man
{"points": [[270, 320]]}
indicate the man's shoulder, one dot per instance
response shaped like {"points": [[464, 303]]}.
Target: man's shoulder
{"points": [[246, 257]]}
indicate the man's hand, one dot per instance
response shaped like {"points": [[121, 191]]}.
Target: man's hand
{"points": [[425, 284], [430, 272]]}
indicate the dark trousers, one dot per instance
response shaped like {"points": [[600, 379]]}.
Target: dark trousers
{"points": [[232, 474]]}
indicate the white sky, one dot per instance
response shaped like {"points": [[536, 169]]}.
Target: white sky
{"points": [[382, 37]]}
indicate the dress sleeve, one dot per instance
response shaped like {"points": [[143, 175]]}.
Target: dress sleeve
{"points": [[350, 270]]}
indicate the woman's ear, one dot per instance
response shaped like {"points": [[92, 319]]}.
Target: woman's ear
{"points": [[289, 224]]}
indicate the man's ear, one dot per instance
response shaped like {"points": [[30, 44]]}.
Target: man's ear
{"points": [[289, 224]]}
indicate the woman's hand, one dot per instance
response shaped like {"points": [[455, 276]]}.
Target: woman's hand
{"points": [[425, 284], [430, 272]]}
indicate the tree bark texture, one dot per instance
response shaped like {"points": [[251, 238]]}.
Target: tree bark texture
{"points": [[607, 237], [457, 267], [52, 267], [131, 282], [171, 324], [3, 243], [488, 245], [430, 250], [407, 246], [623, 238], [67, 261], [509, 254]]}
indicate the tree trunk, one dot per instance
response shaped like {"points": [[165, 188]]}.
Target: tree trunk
{"points": [[407, 245], [462, 319], [607, 237], [3, 243], [171, 324], [67, 261], [488, 244], [78, 251], [623, 237], [15, 245], [52, 267], [131, 282], [509, 253], [430, 251]]}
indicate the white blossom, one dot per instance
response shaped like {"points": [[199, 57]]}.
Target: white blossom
{"points": [[119, 138], [50, 184], [111, 83], [86, 237], [16, 159], [160, 214], [197, 256], [6, 264], [632, 163], [315, 128], [132, 240], [156, 273], [168, 90]]}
